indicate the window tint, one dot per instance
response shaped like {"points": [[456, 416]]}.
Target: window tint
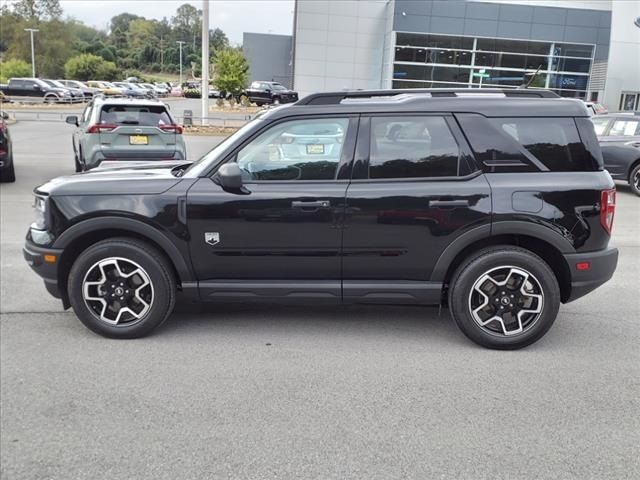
{"points": [[553, 141], [144, 115], [412, 147], [625, 128], [600, 125], [296, 150]]}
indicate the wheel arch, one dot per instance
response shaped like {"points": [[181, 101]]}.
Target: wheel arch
{"points": [[84, 234], [547, 245]]}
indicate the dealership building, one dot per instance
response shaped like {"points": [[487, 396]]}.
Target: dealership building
{"points": [[587, 49]]}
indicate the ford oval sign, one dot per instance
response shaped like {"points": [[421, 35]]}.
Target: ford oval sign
{"points": [[637, 22]]}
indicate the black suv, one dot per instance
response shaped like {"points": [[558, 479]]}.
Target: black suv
{"points": [[493, 203], [262, 93]]}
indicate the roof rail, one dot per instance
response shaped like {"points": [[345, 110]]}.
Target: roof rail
{"points": [[332, 98]]}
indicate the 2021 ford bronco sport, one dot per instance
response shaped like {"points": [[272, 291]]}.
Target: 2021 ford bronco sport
{"points": [[491, 202]]}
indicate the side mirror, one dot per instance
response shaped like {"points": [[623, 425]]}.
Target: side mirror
{"points": [[72, 120], [229, 176]]}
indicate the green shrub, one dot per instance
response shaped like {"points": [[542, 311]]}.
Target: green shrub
{"points": [[14, 68], [90, 67]]}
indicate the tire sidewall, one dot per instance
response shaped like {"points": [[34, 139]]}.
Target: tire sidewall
{"points": [[634, 171], [471, 271], [161, 279]]}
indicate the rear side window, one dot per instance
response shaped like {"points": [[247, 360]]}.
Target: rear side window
{"points": [[528, 144], [412, 147], [555, 142], [600, 125], [143, 115]]}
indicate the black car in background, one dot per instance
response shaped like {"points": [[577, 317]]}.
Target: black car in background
{"points": [[77, 94], [37, 89], [7, 171], [493, 203], [619, 136], [262, 93]]}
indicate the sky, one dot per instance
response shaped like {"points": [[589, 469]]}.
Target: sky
{"points": [[233, 16]]}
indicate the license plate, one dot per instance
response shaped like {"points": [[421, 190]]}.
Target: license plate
{"points": [[315, 149], [138, 140]]}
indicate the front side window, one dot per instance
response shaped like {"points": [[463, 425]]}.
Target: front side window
{"points": [[412, 147], [625, 128], [308, 149]]}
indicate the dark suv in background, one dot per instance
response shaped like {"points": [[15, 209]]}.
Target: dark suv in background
{"points": [[619, 135], [263, 93], [493, 203]]}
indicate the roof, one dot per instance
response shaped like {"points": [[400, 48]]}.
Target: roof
{"points": [[488, 102], [125, 100]]}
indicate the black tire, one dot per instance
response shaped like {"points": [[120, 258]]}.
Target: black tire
{"points": [[127, 251], [8, 174], [77, 163], [503, 262], [634, 179]]}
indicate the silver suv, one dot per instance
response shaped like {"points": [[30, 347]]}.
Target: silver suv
{"points": [[123, 129]]}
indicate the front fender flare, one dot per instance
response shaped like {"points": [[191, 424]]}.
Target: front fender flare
{"points": [[136, 226]]}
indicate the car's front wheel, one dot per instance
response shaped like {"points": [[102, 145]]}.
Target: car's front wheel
{"points": [[121, 288], [504, 297], [634, 179]]}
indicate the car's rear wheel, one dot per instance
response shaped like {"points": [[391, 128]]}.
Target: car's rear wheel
{"points": [[504, 297], [122, 288], [8, 173], [634, 179], [50, 99]]}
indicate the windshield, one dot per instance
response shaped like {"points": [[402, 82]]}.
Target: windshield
{"points": [[50, 83], [199, 166], [56, 83], [277, 86], [149, 116]]}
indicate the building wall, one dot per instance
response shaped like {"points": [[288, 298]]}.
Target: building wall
{"points": [[339, 44], [269, 57], [623, 71]]}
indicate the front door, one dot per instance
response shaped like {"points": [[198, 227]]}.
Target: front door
{"points": [[414, 191], [280, 235]]}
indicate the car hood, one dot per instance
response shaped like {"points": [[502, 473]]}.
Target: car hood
{"points": [[147, 179]]}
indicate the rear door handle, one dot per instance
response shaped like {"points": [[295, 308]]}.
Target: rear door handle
{"points": [[313, 205], [448, 203]]}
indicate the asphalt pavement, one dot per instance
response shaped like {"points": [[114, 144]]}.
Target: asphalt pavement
{"points": [[271, 392]]}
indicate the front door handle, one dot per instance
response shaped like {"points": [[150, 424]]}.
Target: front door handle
{"points": [[313, 205], [448, 203]]}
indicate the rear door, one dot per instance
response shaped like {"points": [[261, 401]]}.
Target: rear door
{"points": [[415, 189], [137, 132]]}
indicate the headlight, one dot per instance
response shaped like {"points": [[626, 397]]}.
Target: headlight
{"points": [[40, 211]]}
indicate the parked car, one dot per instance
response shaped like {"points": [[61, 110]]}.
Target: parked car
{"points": [[131, 90], [619, 136], [162, 88], [7, 170], [36, 89], [106, 88], [87, 91], [484, 213], [148, 88], [125, 130], [262, 93], [76, 93]]}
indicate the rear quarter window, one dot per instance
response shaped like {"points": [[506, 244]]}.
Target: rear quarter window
{"points": [[534, 143], [143, 115]]}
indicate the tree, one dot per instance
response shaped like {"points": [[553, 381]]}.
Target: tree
{"points": [[231, 71], [187, 23], [38, 9], [218, 40], [90, 67], [14, 68]]}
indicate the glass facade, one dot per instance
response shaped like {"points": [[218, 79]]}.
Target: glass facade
{"points": [[440, 61]]}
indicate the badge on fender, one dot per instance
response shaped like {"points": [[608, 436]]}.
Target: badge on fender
{"points": [[212, 238]]}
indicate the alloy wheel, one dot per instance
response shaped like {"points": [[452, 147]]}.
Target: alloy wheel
{"points": [[118, 291], [506, 301]]}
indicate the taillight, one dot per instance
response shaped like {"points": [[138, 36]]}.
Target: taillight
{"points": [[171, 128], [101, 127], [607, 209]]}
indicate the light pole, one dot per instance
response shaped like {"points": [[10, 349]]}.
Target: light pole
{"points": [[33, 57], [179, 42], [205, 62]]}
